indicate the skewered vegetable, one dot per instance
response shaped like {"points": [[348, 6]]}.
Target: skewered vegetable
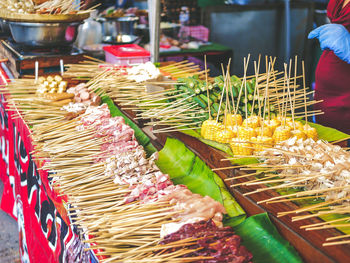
{"points": [[196, 90], [209, 129], [224, 135], [282, 133], [240, 147]]}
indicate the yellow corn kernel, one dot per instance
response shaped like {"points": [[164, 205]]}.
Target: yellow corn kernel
{"points": [[262, 142], [283, 119], [234, 130], [264, 131], [296, 124], [205, 126], [252, 122], [311, 132], [246, 133], [272, 124], [233, 119], [209, 129], [281, 134], [299, 134], [299, 125], [224, 136], [239, 147]]}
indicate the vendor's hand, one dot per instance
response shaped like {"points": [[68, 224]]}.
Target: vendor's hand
{"points": [[334, 37]]}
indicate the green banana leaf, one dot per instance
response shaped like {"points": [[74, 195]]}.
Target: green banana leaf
{"points": [[345, 230], [327, 133], [220, 146], [184, 167], [261, 238], [141, 137]]}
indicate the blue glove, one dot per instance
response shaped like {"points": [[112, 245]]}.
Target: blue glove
{"points": [[334, 37]]}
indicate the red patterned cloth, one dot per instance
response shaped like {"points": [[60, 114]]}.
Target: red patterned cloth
{"points": [[333, 77]]}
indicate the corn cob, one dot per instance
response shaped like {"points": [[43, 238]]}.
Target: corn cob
{"points": [[311, 132], [233, 119], [281, 134], [205, 125], [224, 136], [272, 124], [252, 122], [234, 130], [299, 134], [282, 119], [239, 147], [297, 124], [246, 133], [209, 128], [262, 142], [266, 131]]}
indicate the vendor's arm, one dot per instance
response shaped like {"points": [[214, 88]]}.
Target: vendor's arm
{"points": [[334, 37]]}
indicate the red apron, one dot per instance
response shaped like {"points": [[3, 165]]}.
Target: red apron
{"points": [[333, 77]]}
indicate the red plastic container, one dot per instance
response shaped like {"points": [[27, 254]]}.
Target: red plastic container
{"points": [[126, 54]]}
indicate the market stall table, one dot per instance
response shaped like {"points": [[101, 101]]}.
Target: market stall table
{"points": [[308, 245]]}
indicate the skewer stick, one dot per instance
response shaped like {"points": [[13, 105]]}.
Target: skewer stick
{"points": [[241, 89], [325, 223], [340, 140], [225, 87], [221, 99], [266, 95], [95, 59], [256, 69], [228, 86], [336, 243], [268, 68], [227, 77], [285, 186], [338, 237], [274, 81], [246, 96], [310, 208], [304, 89], [232, 98]]}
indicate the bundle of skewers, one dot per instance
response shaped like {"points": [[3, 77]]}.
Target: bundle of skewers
{"points": [[253, 132], [87, 70], [290, 157], [308, 170], [122, 203], [52, 7], [183, 69], [224, 101]]}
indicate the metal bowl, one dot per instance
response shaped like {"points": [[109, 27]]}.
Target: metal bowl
{"points": [[117, 26], [44, 34], [126, 25], [168, 29], [120, 39]]}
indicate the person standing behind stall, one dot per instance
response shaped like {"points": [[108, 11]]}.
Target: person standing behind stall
{"points": [[332, 77]]}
